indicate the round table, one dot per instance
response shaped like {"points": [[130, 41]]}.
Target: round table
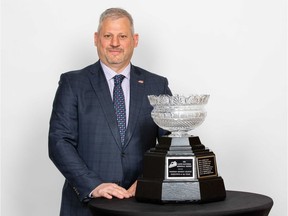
{"points": [[236, 203]]}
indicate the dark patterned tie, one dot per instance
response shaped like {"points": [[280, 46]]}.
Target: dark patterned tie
{"points": [[119, 105]]}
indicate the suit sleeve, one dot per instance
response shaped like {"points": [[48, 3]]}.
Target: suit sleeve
{"points": [[166, 91], [63, 137]]}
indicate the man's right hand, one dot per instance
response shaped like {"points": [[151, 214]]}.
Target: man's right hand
{"points": [[110, 190]]}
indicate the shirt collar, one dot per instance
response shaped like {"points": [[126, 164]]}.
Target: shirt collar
{"points": [[109, 73]]}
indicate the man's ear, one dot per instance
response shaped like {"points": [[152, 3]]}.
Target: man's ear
{"points": [[136, 40], [96, 38]]}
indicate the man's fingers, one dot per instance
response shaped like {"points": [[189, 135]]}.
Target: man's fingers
{"points": [[110, 190]]}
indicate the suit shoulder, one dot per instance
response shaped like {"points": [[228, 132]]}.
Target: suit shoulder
{"points": [[80, 72], [148, 74], [155, 84], [77, 78]]}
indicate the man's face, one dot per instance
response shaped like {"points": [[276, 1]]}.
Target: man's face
{"points": [[115, 43]]}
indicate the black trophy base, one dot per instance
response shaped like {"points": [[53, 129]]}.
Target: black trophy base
{"points": [[180, 169], [169, 191]]}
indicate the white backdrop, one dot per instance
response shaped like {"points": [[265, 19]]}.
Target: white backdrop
{"points": [[233, 50]]}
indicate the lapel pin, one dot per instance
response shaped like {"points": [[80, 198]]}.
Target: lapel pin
{"points": [[141, 81]]}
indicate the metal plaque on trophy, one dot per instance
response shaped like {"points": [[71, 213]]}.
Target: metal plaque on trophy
{"points": [[180, 168]]}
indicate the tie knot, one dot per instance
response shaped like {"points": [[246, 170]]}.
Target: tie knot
{"points": [[118, 79]]}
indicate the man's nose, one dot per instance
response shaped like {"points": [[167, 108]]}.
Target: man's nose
{"points": [[115, 41]]}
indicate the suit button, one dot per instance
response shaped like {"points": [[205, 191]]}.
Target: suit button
{"points": [[122, 154]]}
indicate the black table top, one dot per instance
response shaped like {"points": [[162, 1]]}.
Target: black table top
{"points": [[236, 203]]}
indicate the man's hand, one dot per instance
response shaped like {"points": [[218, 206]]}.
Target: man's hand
{"points": [[110, 190], [132, 189]]}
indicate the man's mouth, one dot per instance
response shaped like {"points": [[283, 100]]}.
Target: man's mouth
{"points": [[115, 51]]}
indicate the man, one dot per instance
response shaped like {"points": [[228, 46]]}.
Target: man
{"points": [[98, 154]]}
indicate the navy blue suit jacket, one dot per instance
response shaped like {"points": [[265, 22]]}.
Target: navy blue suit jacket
{"points": [[84, 140]]}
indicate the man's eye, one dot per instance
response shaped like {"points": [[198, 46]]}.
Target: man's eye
{"points": [[123, 37], [107, 36]]}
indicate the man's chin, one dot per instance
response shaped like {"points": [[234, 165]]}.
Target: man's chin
{"points": [[115, 62]]}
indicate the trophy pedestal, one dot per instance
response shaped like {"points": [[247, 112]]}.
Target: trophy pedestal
{"points": [[180, 169]]}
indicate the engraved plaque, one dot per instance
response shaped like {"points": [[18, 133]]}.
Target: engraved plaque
{"points": [[180, 167], [206, 166]]}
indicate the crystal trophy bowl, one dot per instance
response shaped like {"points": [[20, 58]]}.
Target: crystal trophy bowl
{"points": [[178, 114]]}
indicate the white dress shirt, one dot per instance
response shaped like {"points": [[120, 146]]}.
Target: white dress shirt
{"points": [[109, 74]]}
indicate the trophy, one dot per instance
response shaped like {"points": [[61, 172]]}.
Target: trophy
{"points": [[179, 168]]}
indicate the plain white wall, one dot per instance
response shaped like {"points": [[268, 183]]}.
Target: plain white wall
{"points": [[233, 50]]}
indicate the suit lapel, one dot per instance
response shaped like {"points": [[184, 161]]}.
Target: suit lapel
{"points": [[101, 88], [136, 99]]}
